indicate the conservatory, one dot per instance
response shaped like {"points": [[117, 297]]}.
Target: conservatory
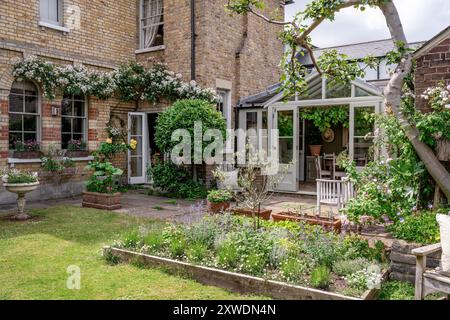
{"points": [[330, 120]]}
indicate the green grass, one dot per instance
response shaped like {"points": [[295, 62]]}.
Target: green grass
{"points": [[397, 290], [35, 255]]}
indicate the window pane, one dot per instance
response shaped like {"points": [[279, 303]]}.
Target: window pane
{"points": [[79, 108], [15, 122], [13, 138], [16, 103], [78, 125], [78, 136], [31, 104], [66, 125], [30, 136], [286, 123], [136, 167], [65, 138], [30, 123], [338, 90], [66, 107], [286, 150], [252, 120]]}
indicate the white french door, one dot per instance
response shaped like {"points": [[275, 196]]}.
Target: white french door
{"points": [[138, 159], [285, 146], [362, 128]]}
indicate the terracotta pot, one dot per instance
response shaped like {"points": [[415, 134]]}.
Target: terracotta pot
{"points": [[218, 207], [315, 150], [103, 201], [27, 154], [264, 214], [77, 154], [330, 225]]}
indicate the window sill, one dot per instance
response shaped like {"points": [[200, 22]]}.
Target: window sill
{"points": [[53, 26], [13, 161], [152, 49]]}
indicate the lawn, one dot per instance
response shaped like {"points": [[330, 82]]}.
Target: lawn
{"points": [[35, 255]]}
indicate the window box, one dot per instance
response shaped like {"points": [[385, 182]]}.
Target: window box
{"points": [[27, 154], [78, 154]]}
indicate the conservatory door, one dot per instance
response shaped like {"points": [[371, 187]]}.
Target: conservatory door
{"points": [[137, 159], [285, 146], [362, 132]]}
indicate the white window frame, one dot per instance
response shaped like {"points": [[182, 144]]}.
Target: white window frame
{"points": [[45, 20], [85, 119], [38, 114], [152, 47], [259, 121], [225, 100]]}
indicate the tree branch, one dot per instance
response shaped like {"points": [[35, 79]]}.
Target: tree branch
{"points": [[270, 20], [313, 59]]}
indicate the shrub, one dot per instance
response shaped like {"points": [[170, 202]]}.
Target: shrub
{"points": [[357, 280], [131, 240], [227, 255], [356, 247], [323, 249], [14, 176], [348, 267], [177, 247], [182, 115], [421, 227], [176, 181], [219, 196], [154, 241], [103, 180], [255, 263], [396, 290], [321, 277], [292, 269], [197, 252]]}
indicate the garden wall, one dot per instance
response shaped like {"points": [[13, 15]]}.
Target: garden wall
{"points": [[403, 262]]}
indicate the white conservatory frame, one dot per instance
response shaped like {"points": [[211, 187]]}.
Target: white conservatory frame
{"points": [[277, 103]]}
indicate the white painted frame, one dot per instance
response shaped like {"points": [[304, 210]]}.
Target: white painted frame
{"points": [[142, 48], [290, 181], [353, 106], [243, 126], [143, 179], [45, 22]]}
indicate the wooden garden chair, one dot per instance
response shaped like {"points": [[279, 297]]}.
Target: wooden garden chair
{"points": [[429, 281], [333, 193], [322, 174]]}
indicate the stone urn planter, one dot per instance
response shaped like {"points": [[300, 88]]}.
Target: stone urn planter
{"points": [[218, 207], [103, 201], [21, 190]]}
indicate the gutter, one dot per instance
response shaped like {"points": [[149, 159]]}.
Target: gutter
{"points": [[193, 36]]}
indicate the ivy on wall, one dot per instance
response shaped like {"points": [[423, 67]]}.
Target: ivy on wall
{"points": [[131, 82]]}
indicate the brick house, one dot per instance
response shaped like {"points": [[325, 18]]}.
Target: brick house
{"points": [[197, 39], [432, 65]]}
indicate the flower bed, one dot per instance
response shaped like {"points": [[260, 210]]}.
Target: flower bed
{"points": [[296, 255]]}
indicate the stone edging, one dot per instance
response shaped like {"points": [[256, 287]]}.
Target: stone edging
{"points": [[233, 281], [403, 262]]}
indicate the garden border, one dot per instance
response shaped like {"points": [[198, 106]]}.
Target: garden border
{"points": [[234, 282]]}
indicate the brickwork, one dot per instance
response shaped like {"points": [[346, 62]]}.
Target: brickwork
{"points": [[230, 49], [432, 68]]}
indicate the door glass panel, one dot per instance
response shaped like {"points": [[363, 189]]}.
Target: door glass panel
{"points": [[286, 133], [364, 135], [136, 156]]}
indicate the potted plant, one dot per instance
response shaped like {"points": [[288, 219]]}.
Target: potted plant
{"points": [[315, 144], [102, 188], [77, 149], [20, 183], [30, 149], [219, 200], [56, 164]]}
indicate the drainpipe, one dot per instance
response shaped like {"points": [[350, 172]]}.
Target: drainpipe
{"points": [[239, 65], [193, 36]]}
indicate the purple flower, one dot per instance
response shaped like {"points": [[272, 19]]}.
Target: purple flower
{"points": [[402, 220], [414, 208], [430, 206]]}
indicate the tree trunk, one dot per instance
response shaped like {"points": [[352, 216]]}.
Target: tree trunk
{"points": [[393, 95]]}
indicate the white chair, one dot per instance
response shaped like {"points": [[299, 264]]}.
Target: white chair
{"points": [[322, 174], [333, 193]]}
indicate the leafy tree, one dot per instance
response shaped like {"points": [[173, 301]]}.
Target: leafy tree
{"points": [[183, 114], [296, 35]]}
